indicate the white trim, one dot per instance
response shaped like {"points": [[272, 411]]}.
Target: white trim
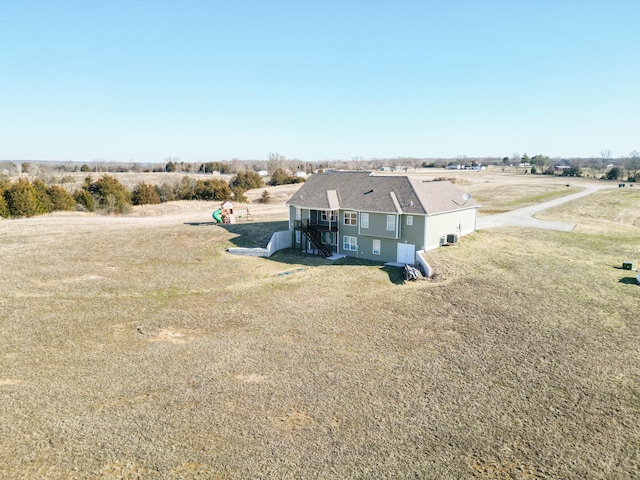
{"points": [[349, 243], [393, 227], [373, 246], [355, 218], [364, 223]]}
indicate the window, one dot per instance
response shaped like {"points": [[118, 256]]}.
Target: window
{"points": [[350, 218], [376, 247], [329, 238], [298, 213], [409, 220], [364, 220], [328, 216], [391, 222], [350, 243], [298, 236]]}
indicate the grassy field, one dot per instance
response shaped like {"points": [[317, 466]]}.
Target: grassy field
{"points": [[138, 348], [510, 197]]}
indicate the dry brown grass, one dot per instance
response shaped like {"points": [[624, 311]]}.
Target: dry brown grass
{"points": [[499, 192], [612, 208], [138, 348], [503, 198]]}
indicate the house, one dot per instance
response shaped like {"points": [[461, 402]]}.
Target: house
{"points": [[380, 218]]}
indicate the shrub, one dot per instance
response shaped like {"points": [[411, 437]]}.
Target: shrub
{"points": [[614, 174], [212, 190], [171, 166], [166, 192], [145, 194], [246, 180], [280, 177], [5, 181], [60, 198], [110, 195], [266, 197], [203, 190], [85, 199], [4, 209], [186, 189], [210, 167], [44, 203], [238, 195], [21, 199], [67, 179], [574, 171]]}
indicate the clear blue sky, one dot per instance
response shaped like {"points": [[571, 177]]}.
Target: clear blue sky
{"points": [[216, 80]]}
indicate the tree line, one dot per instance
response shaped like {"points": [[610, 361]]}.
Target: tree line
{"points": [[543, 164], [25, 198]]}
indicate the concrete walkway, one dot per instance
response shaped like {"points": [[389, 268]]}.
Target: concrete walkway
{"points": [[523, 217]]}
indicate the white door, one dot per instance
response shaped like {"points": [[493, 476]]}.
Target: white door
{"points": [[406, 253]]}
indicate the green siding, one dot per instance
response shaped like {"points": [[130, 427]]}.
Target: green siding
{"points": [[410, 234], [413, 234], [387, 249], [378, 226]]}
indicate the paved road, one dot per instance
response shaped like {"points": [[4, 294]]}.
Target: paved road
{"points": [[523, 217]]}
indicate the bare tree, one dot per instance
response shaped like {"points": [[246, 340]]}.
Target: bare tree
{"points": [[605, 155], [275, 162], [633, 166]]}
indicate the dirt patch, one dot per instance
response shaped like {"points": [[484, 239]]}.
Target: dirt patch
{"points": [[295, 421], [9, 381], [169, 335]]}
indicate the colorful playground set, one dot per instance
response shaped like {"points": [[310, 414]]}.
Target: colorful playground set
{"points": [[225, 215]]}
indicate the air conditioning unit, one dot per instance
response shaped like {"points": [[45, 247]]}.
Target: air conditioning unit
{"points": [[452, 238], [443, 240]]}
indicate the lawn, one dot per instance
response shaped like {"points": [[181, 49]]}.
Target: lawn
{"points": [[142, 349]]}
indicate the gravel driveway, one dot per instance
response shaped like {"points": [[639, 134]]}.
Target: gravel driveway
{"points": [[523, 217]]}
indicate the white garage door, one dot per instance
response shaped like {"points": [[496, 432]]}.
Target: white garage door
{"points": [[406, 253]]}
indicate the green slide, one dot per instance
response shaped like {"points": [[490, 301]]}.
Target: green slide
{"points": [[217, 216]]}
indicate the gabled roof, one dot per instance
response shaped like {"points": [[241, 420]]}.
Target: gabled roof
{"points": [[385, 194]]}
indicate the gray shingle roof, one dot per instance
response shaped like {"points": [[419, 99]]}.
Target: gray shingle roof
{"points": [[384, 194]]}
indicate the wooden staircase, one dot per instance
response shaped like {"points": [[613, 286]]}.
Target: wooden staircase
{"points": [[315, 237]]}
